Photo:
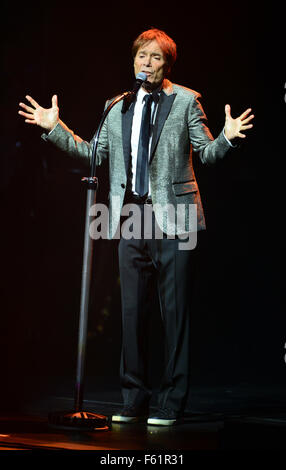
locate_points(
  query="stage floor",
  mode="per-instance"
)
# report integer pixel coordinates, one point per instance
(221, 418)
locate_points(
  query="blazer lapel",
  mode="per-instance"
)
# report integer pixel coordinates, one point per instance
(126, 121)
(164, 107)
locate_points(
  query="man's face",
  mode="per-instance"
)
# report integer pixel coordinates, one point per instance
(150, 60)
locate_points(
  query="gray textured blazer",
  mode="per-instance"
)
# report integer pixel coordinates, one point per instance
(180, 128)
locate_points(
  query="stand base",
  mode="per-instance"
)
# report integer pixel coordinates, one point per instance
(78, 421)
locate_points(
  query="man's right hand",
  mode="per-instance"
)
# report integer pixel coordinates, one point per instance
(45, 118)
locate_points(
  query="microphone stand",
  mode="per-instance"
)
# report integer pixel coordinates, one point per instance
(78, 418)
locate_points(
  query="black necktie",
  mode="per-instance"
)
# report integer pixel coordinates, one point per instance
(142, 170)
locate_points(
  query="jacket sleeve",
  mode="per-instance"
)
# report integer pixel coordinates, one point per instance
(208, 148)
(67, 141)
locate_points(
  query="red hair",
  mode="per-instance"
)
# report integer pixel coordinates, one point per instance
(167, 44)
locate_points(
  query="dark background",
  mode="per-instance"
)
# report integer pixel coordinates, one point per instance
(229, 52)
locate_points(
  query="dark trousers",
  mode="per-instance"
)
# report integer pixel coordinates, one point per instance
(140, 261)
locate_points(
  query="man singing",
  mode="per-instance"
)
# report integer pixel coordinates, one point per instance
(149, 147)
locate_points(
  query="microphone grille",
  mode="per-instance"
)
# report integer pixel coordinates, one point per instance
(141, 76)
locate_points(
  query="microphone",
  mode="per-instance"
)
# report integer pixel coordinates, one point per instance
(140, 78)
(130, 95)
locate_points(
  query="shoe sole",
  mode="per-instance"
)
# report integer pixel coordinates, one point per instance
(127, 419)
(162, 422)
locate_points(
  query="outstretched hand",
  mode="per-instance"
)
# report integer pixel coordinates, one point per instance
(47, 118)
(233, 127)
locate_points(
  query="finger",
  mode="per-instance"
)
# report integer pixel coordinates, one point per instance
(243, 115)
(26, 115)
(227, 110)
(246, 127)
(55, 101)
(245, 121)
(241, 135)
(32, 101)
(27, 108)
(30, 121)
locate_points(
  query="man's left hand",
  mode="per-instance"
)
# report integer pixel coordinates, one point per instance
(233, 127)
